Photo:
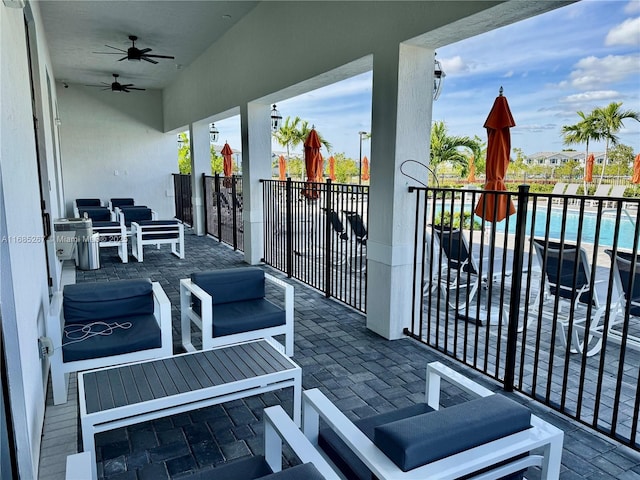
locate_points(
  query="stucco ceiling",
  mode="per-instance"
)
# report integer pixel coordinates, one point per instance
(181, 28)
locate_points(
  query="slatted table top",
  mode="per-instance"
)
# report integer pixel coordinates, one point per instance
(136, 383)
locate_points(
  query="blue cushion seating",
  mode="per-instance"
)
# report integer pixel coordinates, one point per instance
(88, 302)
(96, 214)
(108, 229)
(251, 468)
(121, 202)
(143, 334)
(136, 214)
(238, 317)
(422, 439)
(231, 284)
(88, 202)
(344, 458)
(158, 227)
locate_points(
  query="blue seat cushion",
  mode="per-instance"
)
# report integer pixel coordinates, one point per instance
(136, 214)
(344, 458)
(143, 334)
(121, 202)
(422, 439)
(251, 468)
(88, 202)
(162, 229)
(238, 317)
(109, 231)
(91, 301)
(306, 471)
(231, 284)
(96, 214)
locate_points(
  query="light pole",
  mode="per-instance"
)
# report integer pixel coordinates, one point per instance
(360, 159)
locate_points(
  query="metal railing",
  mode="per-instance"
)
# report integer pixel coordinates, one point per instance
(223, 209)
(317, 233)
(536, 301)
(182, 198)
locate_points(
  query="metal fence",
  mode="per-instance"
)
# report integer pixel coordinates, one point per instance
(546, 301)
(182, 198)
(317, 233)
(223, 209)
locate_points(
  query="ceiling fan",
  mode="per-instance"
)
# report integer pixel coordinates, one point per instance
(116, 86)
(134, 53)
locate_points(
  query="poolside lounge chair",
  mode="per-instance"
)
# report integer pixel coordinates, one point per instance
(566, 296)
(229, 306)
(616, 194)
(558, 189)
(278, 429)
(491, 436)
(601, 191)
(357, 256)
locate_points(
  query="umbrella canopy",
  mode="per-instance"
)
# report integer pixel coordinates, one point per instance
(332, 168)
(588, 168)
(492, 206)
(227, 165)
(311, 150)
(472, 170)
(282, 168)
(636, 170)
(365, 168)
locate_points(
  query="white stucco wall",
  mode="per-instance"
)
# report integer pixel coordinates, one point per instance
(106, 133)
(23, 287)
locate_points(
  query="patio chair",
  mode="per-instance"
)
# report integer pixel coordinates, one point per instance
(96, 214)
(458, 270)
(357, 256)
(85, 202)
(601, 191)
(616, 194)
(229, 306)
(120, 202)
(491, 436)
(138, 213)
(558, 189)
(93, 325)
(337, 247)
(112, 234)
(566, 294)
(157, 232)
(278, 429)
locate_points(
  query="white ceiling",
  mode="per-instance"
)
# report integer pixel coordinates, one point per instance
(181, 28)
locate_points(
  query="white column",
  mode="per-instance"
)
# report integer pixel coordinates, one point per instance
(401, 119)
(200, 163)
(255, 125)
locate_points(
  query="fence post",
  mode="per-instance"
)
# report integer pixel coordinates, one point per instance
(216, 185)
(234, 212)
(205, 210)
(516, 286)
(289, 222)
(328, 250)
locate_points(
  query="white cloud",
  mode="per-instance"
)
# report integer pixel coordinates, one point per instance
(626, 33)
(454, 65)
(509, 74)
(592, 72)
(632, 7)
(592, 96)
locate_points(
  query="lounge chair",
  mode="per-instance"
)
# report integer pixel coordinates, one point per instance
(491, 436)
(566, 296)
(157, 232)
(338, 241)
(558, 189)
(93, 325)
(229, 306)
(85, 202)
(601, 191)
(278, 429)
(120, 202)
(616, 195)
(357, 255)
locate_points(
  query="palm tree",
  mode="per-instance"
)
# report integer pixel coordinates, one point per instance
(304, 132)
(288, 134)
(446, 148)
(582, 132)
(610, 120)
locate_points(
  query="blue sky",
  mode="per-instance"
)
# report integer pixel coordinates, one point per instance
(578, 57)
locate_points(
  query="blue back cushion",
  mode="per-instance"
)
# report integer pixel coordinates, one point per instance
(120, 202)
(416, 441)
(136, 214)
(88, 202)
(232, 284)
(97, 214)
(88, 302)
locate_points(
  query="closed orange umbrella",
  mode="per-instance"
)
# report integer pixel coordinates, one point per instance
(636, 170)
(588, 168)
(332, 168)
(227, 165)
(282, 168)
(472, 170)
(365, 169)
(311, 149)
(495, 207)
(319, 168)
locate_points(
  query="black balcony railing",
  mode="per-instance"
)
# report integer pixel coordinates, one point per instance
(223, 209)
(537, 301)
(182, 198)
(317, 233)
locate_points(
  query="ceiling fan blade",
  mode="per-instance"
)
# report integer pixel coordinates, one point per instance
(109, 53)
(160, 56)
(127, 85)
(144, 50)
(124, 90)
(123, 58)
(136, 88)
(147, 59)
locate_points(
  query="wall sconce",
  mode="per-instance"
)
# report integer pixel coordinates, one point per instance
(58, 121)
(276, 118)
(438, 76)
(213, 133)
